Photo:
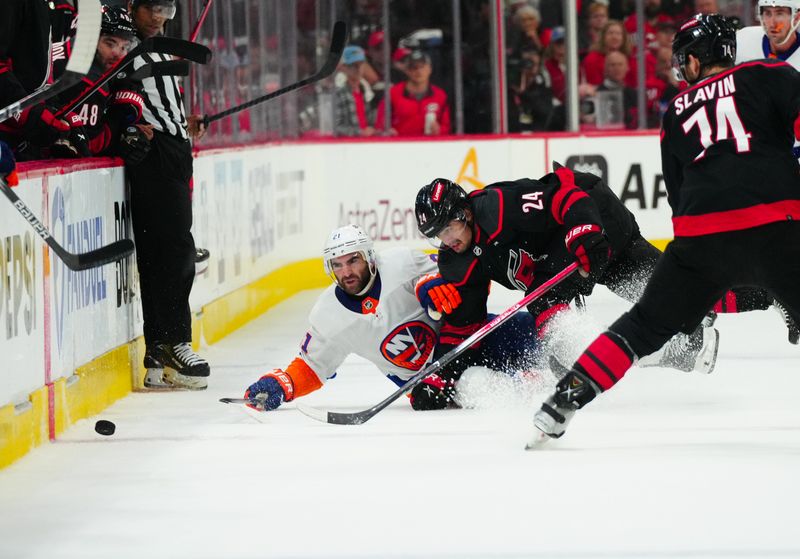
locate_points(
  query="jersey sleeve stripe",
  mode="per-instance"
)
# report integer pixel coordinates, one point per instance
(499, 216)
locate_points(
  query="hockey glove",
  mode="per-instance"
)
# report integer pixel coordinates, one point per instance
(133, 145)
(590, 247)
(434, 393)
(270, 391)
(77, 135)
(41, 127)
(433, 292)
(8, 165)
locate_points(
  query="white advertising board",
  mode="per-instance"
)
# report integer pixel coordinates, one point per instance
(22, 307)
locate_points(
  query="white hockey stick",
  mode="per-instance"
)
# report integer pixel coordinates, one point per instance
(83, 50)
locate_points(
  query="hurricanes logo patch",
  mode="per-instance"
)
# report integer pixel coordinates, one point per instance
(409, 345)
(521, 266)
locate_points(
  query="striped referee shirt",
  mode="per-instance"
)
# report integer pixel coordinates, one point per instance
(163, 102)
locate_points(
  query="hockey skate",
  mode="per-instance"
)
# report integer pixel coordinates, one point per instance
(175, 367)
(693, 352)
(794, 330)
(573, 391)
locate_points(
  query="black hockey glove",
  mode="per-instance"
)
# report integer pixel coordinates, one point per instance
(41, 127)
(133, 146)
(77, 135)
(590, 247)
(434, 393)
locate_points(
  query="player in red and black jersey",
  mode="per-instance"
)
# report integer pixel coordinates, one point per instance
(734, 188)
(114, 106)
(521, 233)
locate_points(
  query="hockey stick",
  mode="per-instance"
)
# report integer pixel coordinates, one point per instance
(359, 417)
(103, 255)
(338, 41)
(78, 65)
(159, 45)
(166, 68)
(200, 20)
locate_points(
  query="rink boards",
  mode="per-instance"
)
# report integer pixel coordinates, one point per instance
(71, 342)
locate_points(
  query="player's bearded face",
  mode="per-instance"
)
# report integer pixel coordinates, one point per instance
(351, 271)
(111, 49)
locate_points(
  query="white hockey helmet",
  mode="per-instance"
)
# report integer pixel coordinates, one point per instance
(794, 7)
(346, 240)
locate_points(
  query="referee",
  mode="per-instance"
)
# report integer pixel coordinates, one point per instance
(159, 167)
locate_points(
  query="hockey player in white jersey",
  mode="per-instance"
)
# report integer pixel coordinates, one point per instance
(372, 311)
(776, 37)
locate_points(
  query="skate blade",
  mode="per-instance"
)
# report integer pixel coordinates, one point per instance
(538, 441)
(183, 382)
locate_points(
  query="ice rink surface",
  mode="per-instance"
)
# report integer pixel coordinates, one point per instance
(667, 464)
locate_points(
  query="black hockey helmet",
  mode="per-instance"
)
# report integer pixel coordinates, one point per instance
(117, 22)
(710, 38)
(438, 203)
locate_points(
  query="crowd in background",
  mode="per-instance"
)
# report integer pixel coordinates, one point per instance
(261, 45)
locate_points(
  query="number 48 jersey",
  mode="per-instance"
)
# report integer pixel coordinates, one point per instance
(726, 150)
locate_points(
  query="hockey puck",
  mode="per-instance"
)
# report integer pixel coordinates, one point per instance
(105, 427)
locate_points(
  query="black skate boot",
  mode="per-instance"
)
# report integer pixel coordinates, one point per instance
(693, 352)
(794, 331)
(573, 391)
(154, 375)
(182, 367)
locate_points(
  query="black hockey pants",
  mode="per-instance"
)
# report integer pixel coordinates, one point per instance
(161, 211)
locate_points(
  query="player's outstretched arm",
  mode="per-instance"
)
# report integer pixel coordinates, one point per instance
(279, 386)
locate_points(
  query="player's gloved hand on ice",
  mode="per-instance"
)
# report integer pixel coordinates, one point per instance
(41, 126)
(434, 393)
(270, 391)
(133, 145)
(591, 248)
(433, 292)
(8, 165)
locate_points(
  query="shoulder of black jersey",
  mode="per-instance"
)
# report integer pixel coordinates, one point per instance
(488, 206)
(457, 269)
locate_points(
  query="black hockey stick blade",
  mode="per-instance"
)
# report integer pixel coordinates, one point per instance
(235, 400)
(182, 48)
(338, 41)
(359, 417)
(103, 255)
(167, 68)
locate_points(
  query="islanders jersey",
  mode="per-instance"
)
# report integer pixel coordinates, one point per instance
(752, 44)
(386, 326)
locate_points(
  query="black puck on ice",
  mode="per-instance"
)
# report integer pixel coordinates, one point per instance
(105, 427)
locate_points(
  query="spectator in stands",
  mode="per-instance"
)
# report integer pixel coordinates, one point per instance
(534, 108)
(653, 16)
(555, 63)
(670, 85)
(596, 19)
(373, 69)
(352, 113)
(616, 70)
(706, 7)
(613, 38)
(665, 32)
(418, 107)
(526, 21)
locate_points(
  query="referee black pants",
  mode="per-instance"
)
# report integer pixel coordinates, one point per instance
(695, 272)
(161, 211)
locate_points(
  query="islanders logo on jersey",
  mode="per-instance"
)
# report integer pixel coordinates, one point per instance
(409, 345)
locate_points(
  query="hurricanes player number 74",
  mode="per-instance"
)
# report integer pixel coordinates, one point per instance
(727, 118)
